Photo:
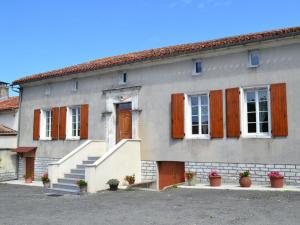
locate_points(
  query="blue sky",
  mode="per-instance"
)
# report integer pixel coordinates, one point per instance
(38, 36)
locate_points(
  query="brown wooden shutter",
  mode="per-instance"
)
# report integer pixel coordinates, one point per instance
(62, 122)
(84, 119)
(54, 128)
(36, 124)
(177, 107)
(279, 110)
(216, 114)
(233, 112)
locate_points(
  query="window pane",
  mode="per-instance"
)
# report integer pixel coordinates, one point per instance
(204, 100)
(263, 106)
(251, 127)
(263, 117)
(195, 110)
(195, 120)
(204, 129)
(198, 66)
(251, 117)
(204, 110)
(254, 56)
(195, 129)
(194, 100)
(251, 107)
(263, 127)
(262, 95)
(250, 96)
(204, 119)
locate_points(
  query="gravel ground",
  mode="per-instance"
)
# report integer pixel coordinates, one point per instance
(28, 205)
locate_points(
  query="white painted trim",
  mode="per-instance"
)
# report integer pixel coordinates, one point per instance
(114, 97)
(69, 123)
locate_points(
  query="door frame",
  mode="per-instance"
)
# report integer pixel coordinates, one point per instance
(33, 162)
(116, 96)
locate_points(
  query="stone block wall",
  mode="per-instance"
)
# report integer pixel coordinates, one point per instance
(40, 166)
(230, 171)
(148, 170)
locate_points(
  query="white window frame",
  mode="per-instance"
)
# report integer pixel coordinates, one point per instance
(250, 65)
(243, 113)
(69, 130)
(43, 124)
(194, 67)
(188, 118)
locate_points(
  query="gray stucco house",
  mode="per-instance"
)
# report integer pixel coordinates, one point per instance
(229, 104)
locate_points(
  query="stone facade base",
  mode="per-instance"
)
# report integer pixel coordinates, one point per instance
(40, 166)
(8, 175)
(230, 171)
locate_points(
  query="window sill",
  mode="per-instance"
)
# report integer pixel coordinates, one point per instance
(201, 137)
(73, 138)
(196, 74)
(259, 136)
(45, 139)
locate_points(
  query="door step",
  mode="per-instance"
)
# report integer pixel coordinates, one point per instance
(61, 191)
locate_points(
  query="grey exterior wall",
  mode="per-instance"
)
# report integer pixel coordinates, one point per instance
(159, 81)
(8, 165)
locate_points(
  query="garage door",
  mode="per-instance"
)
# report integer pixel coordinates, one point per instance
(170, 173)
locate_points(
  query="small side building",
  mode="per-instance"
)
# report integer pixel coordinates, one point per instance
(9, 109)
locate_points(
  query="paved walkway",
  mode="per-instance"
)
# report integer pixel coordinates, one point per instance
(237, 187)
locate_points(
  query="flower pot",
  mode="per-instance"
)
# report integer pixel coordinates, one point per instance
(46, 186)
(28, 180)
(83, 189)
(276, 182)
(245, 182)
(113, 187)
(215, 181)
(192, 181)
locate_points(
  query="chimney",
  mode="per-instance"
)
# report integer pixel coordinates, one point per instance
(4, 90)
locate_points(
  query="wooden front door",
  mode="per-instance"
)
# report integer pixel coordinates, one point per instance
(170, 173)
(124, 121)
(29, 167)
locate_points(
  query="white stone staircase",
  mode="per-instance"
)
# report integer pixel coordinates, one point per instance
(67, 184)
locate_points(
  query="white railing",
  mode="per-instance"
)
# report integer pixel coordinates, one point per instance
(64, 165)
(123, 159)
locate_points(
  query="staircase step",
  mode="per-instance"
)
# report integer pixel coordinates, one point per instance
(67, 180)
(61, 191)
(81, 166)
(88, 161)
(78, 171)
(66, 186)
(95, 158)
(75, 176)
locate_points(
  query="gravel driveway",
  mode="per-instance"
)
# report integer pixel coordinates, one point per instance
(27, 205)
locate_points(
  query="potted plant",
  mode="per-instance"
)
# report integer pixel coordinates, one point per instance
(191, 178)
(130, 179)
(214, 178)
(245, 180)
(113, 184)
(82, 184)
(46, 181)
(28, 178)
(276, 179)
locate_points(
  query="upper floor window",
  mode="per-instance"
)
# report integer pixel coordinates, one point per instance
(75, 85)
(253, 58)
(199, 115)
(46, 124)
(256, 112)
(197, 67)
(123, 78)
(73, 122)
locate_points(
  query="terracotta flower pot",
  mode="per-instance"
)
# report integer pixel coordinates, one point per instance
(276, 182)
(46, 186)
(245, 182)
(215, 181)
(28, 180)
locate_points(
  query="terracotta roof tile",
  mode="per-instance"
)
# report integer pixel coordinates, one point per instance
(6, 130)
(160, 53)
(10, 103)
